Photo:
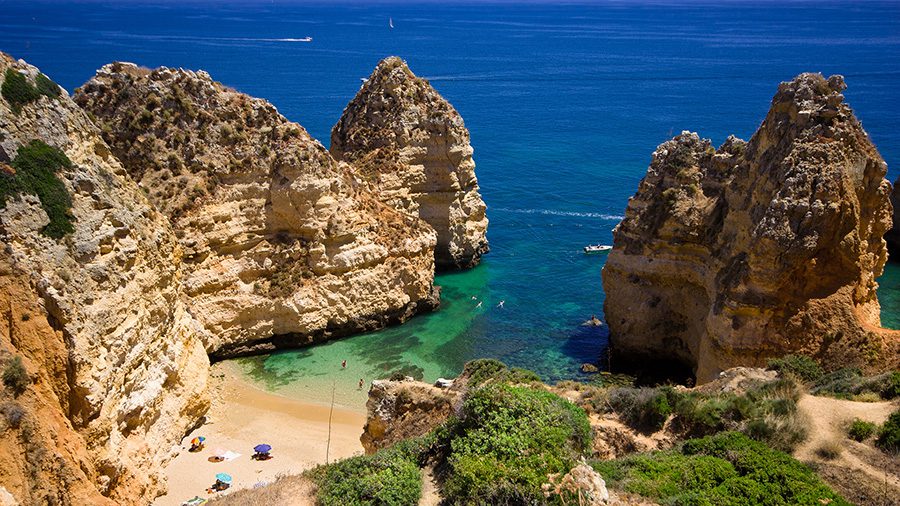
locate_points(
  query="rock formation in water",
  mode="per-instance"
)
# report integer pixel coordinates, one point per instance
(892, 237)
(283, 246)
(90, 296)
(413, 148)
(733, 255)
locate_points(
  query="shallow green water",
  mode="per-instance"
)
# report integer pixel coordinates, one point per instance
(889, 296)
(426, 347)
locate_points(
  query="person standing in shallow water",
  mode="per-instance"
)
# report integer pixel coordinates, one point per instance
(361, 383)
(343, 364)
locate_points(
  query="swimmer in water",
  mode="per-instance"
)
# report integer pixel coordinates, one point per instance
(479, 305)
(500, 305)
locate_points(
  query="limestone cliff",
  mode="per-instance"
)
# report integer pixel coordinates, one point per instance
(283, 246)
(404, 409)
(91, 278)
(413, 148)
(892, 237)
(729, 256)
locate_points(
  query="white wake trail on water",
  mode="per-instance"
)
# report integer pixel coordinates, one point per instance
(553, 212)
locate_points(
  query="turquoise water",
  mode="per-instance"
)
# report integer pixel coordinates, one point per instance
(565, 104)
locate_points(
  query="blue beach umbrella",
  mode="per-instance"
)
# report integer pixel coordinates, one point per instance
(224, 477)
(262, 448)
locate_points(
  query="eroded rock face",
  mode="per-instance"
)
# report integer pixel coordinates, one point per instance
(399, 410)
(413, 148)
(283, 246)
(125, 372)
(892, 237)
(733, 255)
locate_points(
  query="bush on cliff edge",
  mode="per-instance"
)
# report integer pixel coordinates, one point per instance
(390, 477)
(507, 440)
(727, 469)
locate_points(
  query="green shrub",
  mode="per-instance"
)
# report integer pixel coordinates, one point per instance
(15, 377)
(766, 412)
(841, 383)
(645, 409)
(860, 430)
(483, 370)
(890, 389)
(36, 165)
(800, 366)
(849, 383)
(480, 370)
(46, 87)
(390, 477)
(725, 469)
(704, 415)
(889, 435)
(18, 91)
(507, 440)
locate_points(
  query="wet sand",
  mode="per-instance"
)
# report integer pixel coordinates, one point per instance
(243, 416)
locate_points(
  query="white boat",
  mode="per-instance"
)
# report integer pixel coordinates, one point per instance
(596, 248)
(391, 23)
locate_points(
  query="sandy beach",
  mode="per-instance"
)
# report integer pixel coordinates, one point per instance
(243, 416)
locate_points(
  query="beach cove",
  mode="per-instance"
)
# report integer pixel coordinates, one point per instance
(242, 416)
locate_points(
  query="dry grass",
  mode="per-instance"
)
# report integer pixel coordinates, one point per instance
(295, 490)
(830, 450)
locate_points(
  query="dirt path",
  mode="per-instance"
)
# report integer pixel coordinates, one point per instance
(828, 421)
(431, 495)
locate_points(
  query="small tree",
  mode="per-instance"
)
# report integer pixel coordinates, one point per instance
(15, 376)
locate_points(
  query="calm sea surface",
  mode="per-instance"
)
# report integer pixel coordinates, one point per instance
(565, 103)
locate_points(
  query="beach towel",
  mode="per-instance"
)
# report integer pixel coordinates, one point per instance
(196, 501)
(230, 455)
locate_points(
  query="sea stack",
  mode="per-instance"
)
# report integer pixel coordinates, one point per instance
(893, 235)
(90, 303)
(412, 147)
(730, 256)
(282, 245)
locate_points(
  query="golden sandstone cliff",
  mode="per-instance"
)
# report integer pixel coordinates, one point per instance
(195, 221)
(729, 256)
(413, 148)
(283, 246)
(92, 283)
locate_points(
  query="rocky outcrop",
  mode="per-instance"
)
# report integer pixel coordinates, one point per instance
(733, 255)
(92, 284)
(283, 246)
(892, 237)
(43, 460)
(404, 409)
(412, 147)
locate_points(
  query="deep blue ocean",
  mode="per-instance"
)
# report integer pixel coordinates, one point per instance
(565, 104)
